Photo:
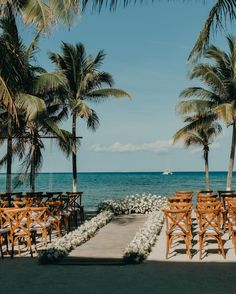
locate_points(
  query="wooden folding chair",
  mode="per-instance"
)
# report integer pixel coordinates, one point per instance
(209, 221)
(178, 226)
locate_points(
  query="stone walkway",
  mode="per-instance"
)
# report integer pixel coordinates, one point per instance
(108, 244)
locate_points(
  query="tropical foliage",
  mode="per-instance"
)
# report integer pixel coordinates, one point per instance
(86, 83)
(219, 96)
(29, 86)
(201, 129)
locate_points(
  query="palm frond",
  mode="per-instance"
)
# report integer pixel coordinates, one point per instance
(216, 19)
(6, 98)
(38, 13)
(49, 82)
(101, 95)
(31, 105)
(226, 112)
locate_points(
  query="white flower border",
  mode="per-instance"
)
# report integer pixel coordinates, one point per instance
(140, 247)
(138, 203)
(62, 246)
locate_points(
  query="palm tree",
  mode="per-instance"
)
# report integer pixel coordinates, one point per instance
(201, 130)
(220, 94)
(85, 82)
(26, 83)
(43, 14)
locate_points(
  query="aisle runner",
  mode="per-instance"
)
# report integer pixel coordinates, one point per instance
(109, 243)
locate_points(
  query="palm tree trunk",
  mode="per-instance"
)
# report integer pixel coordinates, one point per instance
(206, 168)
(32, 164)
(231, 159)
(32, 173)
(9, 154)
(74, 156)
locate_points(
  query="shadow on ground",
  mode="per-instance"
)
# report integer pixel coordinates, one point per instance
(25, 275)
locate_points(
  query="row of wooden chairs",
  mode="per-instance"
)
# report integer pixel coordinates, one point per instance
(69, 205)
(24, 224)
(209, 215)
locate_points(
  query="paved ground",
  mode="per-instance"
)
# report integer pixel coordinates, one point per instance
(110, 241)
(26, 276)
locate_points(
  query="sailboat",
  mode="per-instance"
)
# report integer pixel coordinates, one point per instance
(167, 172)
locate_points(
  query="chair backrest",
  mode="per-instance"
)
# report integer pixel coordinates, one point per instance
(177, 219)
(180, 205)
(17, 218)
(209, 219)
(37, 215)
(184, 193)
(209, 205)
(207, 195)
(172, 199)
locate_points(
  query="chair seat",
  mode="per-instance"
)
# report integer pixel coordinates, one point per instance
(4, 230)
(40, 225)
(53, 218)
(210, 231)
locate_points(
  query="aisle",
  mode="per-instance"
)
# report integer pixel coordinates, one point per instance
(109, 243)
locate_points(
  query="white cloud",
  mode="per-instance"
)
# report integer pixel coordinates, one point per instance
(159, 146)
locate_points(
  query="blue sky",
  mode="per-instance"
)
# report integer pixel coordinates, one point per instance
(147, 48)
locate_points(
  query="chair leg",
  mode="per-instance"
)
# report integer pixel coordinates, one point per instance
(233, 241)
(167, 246)
(200, 246)
(222, 248)
(188, 246)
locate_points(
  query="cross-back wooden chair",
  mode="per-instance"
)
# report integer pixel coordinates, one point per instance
(39, 224)
(4, 231)
(54, 215)
(209, 222)
(75, 205)
(19, 229)
(178, 226)
(231, 216)
(230, 202)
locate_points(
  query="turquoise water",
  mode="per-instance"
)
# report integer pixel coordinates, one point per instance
(101, 186)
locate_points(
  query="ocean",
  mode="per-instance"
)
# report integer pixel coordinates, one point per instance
(101, 186)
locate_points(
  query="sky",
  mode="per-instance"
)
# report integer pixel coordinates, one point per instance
(147, 47)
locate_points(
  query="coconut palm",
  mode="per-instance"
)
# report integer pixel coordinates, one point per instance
(27, 83)
(201, 130)
(85, 83)
(220, 93)
(43, 14)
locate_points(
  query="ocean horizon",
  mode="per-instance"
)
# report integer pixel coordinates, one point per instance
(99, 186)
